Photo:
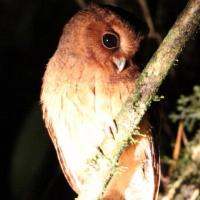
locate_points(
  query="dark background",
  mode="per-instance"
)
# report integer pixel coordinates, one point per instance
(29, 34)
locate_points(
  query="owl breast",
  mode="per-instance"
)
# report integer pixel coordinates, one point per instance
(81, 109)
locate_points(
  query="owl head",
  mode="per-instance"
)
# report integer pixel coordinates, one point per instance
(105, 34)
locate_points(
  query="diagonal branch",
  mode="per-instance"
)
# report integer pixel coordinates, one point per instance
(146, 87)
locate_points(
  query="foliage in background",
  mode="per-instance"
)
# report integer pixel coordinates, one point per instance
(185, 174)
(188, 110)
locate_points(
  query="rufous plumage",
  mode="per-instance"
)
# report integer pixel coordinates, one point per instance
(85, 85)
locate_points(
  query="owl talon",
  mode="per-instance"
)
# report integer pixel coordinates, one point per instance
(111, 129)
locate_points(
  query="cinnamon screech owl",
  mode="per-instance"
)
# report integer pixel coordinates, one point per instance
(85, 85)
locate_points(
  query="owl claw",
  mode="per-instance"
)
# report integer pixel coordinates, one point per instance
(111, 130)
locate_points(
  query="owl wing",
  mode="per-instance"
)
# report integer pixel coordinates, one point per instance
(139, 178)
(71, 176)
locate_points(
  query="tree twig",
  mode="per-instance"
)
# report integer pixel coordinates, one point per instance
(110, 2)
(81, 3)
(177, 147)
(149, 21)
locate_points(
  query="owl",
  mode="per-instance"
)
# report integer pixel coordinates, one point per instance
(85, 85)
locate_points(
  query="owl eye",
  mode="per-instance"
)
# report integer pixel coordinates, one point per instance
(110, 41)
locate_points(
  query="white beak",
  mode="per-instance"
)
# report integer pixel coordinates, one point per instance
(120, 63)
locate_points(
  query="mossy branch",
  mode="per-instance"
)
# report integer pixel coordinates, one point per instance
(146, 87)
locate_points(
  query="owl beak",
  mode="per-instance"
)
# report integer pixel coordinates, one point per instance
(120, 63)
